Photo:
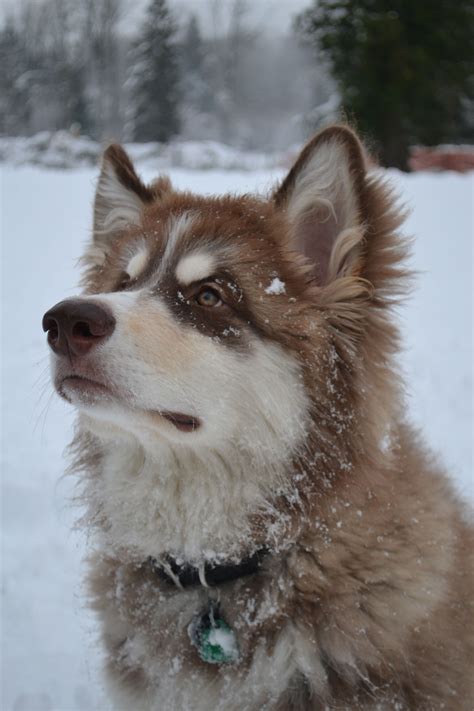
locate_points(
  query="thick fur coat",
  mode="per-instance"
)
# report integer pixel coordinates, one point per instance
(241, 394)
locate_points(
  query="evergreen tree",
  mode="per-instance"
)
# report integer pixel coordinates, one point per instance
(231, 75)
(404, 68)
(42, 79)
(14, 82)
(102, 59)
(155, 77)
(192, 51)
(63, 83)
(197, 95)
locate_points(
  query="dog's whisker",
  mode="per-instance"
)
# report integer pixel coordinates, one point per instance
(41, 417)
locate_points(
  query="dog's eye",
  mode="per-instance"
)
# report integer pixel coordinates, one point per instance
(208, 296)
(124, 281)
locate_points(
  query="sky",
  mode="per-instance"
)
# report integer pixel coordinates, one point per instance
(266, 16)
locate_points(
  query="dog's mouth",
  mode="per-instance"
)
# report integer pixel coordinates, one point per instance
(77, 389)
(184, 423)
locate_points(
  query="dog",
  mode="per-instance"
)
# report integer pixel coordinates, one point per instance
(269, 531)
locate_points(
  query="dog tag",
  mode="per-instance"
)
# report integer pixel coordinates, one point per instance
(213, 638)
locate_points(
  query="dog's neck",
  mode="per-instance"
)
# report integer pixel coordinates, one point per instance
(193, 504)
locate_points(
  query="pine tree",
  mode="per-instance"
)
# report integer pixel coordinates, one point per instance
(101, 56)
(192, 52)
(42, 80)
(404, 68)
(14, 83)
(198, 97)
(155, 77)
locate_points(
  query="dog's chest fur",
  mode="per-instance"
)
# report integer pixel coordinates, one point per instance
(307, 615)
(194, 508)
(312, 626)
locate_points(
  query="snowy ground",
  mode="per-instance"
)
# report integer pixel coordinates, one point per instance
(49, 658)
(61, 150)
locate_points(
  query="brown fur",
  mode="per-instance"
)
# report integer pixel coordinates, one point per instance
(376, 567)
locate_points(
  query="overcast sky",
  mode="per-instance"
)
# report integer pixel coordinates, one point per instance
(264, 15)
(274, 15)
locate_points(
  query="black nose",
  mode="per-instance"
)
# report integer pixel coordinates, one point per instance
(76, 326)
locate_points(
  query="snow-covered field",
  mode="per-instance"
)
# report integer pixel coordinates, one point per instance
(61, 150)
(48, 653)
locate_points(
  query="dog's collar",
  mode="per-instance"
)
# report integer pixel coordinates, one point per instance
(207, 574)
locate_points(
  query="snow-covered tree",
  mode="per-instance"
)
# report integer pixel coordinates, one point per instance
(231, 42)
(42, 79)
(192, 50)
(155, 79)
(101, 53)
(197, 104)
(14, 82)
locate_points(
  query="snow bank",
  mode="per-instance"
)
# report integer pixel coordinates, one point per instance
(62, 150)
(49, 149)
(50, 660)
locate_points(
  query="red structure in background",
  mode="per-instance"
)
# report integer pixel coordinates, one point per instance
(457, 158)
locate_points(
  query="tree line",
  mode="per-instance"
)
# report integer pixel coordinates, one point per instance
(401, 71)
(75, 63)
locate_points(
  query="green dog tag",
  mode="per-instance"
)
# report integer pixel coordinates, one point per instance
(214, 639)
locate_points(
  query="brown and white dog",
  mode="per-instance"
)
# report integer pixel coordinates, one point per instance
(245, 459)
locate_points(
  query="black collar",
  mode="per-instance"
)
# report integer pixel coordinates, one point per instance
(210, 574)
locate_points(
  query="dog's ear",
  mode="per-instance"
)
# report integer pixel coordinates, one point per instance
(121, 196)
(322, 196)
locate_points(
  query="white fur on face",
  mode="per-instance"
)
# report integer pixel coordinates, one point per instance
(176, 228)
(137, 262)
(194, 267)
(190, 492)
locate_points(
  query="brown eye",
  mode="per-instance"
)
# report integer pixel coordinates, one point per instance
(124, 281)
(208, 297)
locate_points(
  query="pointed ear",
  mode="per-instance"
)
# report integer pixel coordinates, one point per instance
(322, 195)
(120, 196)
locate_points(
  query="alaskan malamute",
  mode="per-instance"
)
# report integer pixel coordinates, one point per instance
(269, 532)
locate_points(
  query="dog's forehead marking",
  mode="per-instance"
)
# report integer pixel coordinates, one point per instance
(137, 261)
(176, 227)
(194, 267)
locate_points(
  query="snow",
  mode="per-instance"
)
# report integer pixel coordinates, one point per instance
(276, 287)
(63, 150)
(225, 639)
(50, 659)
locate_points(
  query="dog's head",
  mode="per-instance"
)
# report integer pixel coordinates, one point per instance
(214, 320)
